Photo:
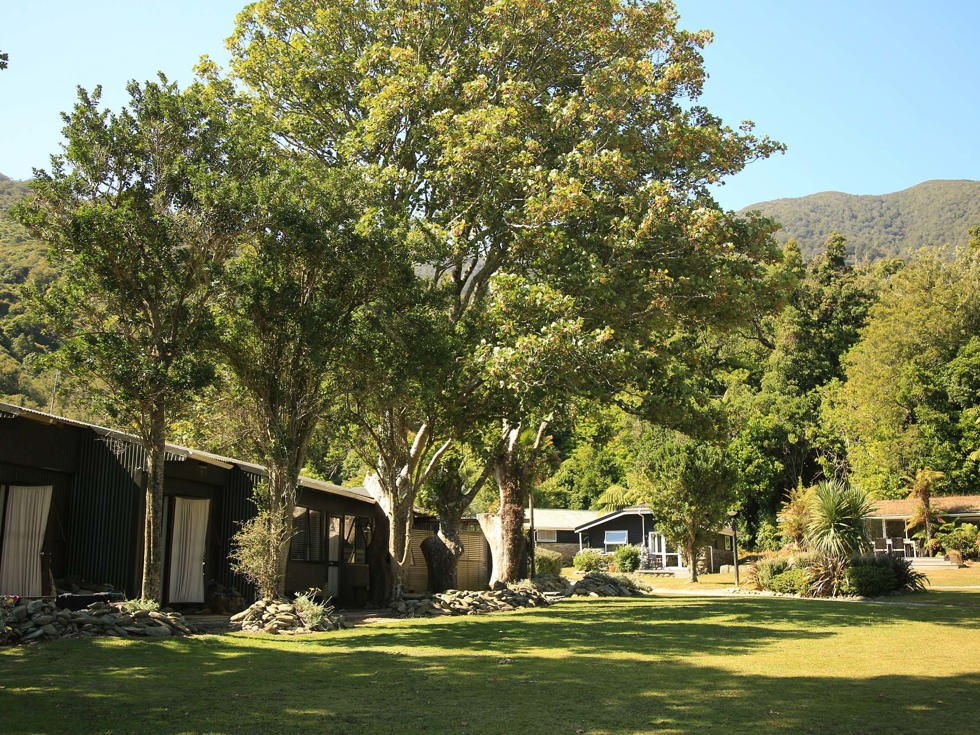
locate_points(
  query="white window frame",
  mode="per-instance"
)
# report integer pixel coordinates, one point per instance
(545, 535)
(625, 536)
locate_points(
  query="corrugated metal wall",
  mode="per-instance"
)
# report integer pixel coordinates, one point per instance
(105, 511)
(237, 507)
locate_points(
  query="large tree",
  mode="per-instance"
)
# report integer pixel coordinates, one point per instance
(290, 306)
(140, 221)
(689, 485)
(912, 397)
(512, 138)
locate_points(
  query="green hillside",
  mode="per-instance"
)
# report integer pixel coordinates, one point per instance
(21, 259)
(934, 213)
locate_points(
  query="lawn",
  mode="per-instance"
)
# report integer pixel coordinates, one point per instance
(671, 664)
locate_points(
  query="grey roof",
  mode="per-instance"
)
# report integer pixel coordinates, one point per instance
(559, 519)
(603, 517)
(357, 493)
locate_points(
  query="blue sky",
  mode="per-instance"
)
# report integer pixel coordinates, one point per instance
(871, 96)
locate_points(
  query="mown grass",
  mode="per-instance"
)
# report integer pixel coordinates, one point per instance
(667, 665)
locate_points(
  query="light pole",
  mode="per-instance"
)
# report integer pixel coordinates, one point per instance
(733, 514)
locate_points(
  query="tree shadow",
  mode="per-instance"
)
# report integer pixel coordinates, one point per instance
(606, 666)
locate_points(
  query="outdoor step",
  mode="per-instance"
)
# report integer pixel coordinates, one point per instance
(925, 562)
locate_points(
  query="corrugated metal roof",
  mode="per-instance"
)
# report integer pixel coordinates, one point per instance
(357, 493)
(949, 504)
(559, 519)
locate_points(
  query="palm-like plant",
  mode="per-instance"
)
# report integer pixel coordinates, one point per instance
(836, 527)
(922, 512)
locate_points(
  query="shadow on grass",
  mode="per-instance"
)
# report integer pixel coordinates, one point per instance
(597, 667)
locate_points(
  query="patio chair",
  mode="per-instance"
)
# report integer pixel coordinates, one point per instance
(898, 546)
(881, 546)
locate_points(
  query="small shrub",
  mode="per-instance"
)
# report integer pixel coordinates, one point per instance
(312, 613)
(627, 558)
(955, 557)
(256, 549)
(132, 606)
(869, 580)
(764, 570)
(828, 575)
(547, 561)
(589, 560)
(7, 604)
(961, 538)
(792, 582)
(906, 578)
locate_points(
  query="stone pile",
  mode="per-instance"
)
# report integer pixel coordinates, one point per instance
(41, 620)
(604, 585)
(549, 584)
(468, 602)
(288, 618)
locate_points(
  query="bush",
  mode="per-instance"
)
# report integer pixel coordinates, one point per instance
(763, 571)
(955, 557)
(961, 538)
(589, 560)
(869, 581)
(312, 613)
(768, 536)
(906, 579)
(792, 582)
(547, 561)
(828, 575)
(627, 558)
(255, 551)
(132, 606)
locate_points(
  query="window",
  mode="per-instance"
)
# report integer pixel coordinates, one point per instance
(307, 541)
(616, 538)
(546, 536)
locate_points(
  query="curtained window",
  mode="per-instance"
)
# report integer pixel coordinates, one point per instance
(25, 523)
(190, 531)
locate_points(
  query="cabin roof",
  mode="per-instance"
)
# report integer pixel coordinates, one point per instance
(9, 409)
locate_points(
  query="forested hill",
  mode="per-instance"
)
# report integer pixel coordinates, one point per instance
(891, 225)
(21, 259)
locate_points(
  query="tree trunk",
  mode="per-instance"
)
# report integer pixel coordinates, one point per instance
(490, 525)
(507, 565)
(379, 560)
(396, 500)
(691, 549)
(283, 478)
(156, 448)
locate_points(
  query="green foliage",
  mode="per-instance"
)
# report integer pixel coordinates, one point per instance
(138, 219)
(590, 560)
(796, 515)
(910, 401)
(627, 558)
(933, 214)
(257, 548)
(691, 486)
(794, 581)
(869, 581)
(547, 561)
(959, 537)
(899, 570)
(837, 527)
(766, 569)
(768, 537)
(312, 613)
(136, 605)
(828, 575)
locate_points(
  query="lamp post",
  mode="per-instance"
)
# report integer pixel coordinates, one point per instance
(733, 514)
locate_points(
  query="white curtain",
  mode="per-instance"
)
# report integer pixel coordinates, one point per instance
(23, 536)
(187, 549)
